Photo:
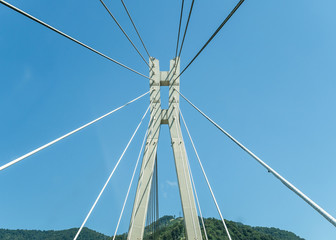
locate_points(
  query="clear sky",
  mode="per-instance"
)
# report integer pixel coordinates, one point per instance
(268, 78)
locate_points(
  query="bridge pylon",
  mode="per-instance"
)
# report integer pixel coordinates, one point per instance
(159, 116)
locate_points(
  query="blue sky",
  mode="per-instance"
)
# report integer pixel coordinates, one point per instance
(268, 78)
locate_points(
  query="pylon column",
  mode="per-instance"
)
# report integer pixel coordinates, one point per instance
(168, 116)
(138, 219)
(193, 230)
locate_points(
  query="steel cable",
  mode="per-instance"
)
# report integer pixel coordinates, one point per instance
(314, 205)
(179, 29)
(130, 185)
(184, 35)
(213, 35)
(185, 169)
(206, 178)
(186, 28)
(109, 178)
(123, 31)
(197, 201)
(69, 37)
(68, 134)
(135, 28)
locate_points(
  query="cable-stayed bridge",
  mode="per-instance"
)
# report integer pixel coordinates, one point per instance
(146, 198)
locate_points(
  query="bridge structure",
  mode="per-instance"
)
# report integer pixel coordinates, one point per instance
(145, 204)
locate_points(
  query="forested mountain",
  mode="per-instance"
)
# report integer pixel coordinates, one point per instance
(167, 228)
(170, 228)
(87, 234)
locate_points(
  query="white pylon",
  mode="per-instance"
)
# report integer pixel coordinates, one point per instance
(171, 117)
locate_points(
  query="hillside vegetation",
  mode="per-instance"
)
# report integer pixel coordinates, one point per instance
(168, 228)
(173, 229)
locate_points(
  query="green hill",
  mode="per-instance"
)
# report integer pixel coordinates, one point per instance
(168, 228)
(87, 234)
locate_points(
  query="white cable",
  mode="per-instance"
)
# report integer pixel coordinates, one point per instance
(129, 188)
(139, 181)
(108, 180)
(67, 135)
(206, 178)
(314, 205)
(198, 205)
